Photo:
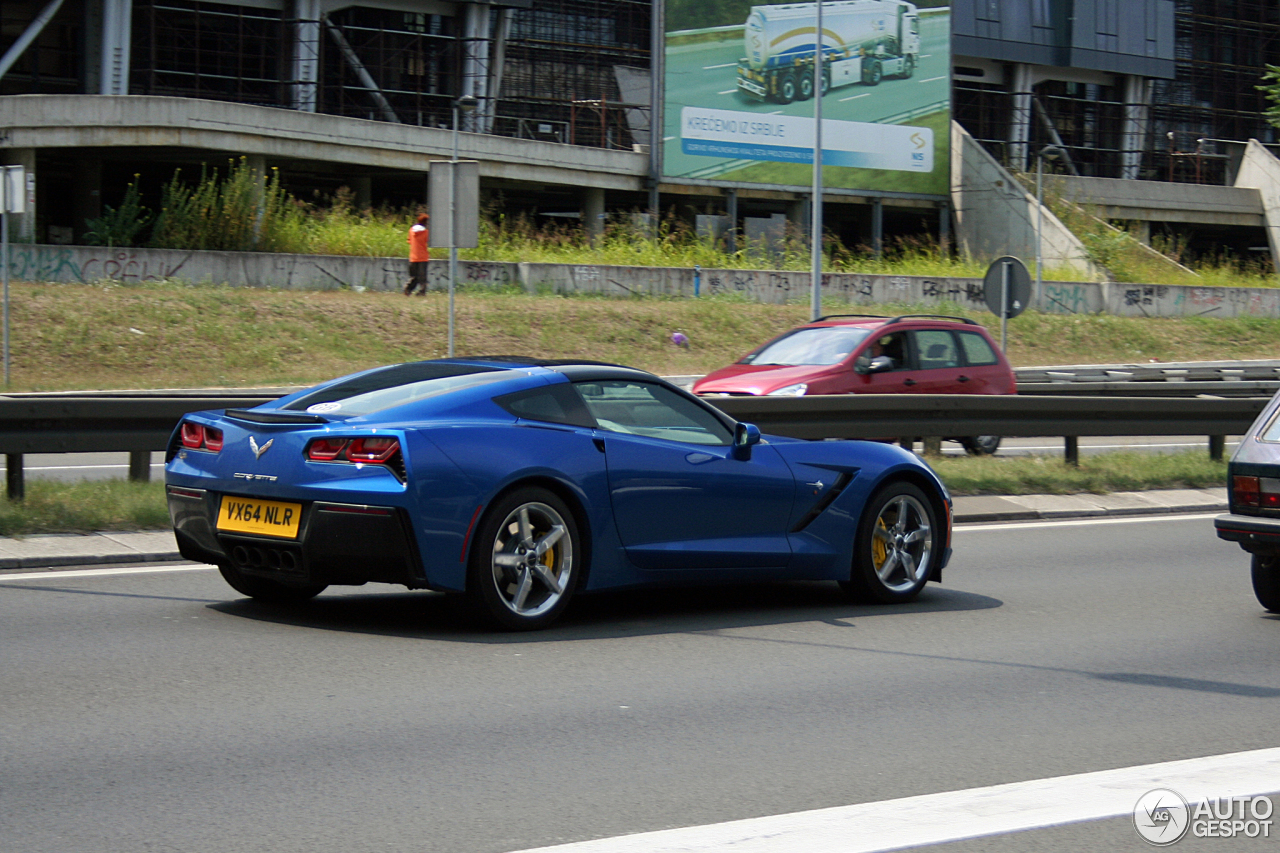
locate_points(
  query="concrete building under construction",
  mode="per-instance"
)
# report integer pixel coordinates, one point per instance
(1127, 99)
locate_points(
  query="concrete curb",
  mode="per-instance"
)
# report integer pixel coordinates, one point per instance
(62, 550)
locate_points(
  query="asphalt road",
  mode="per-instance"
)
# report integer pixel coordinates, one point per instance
(161, 712)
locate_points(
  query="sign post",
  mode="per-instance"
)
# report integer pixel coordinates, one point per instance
(1006, 288)
(13, 180)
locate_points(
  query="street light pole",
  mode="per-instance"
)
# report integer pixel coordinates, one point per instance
(815, 238)
(466, 103)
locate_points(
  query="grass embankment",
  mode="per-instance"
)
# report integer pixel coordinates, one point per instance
(78, 337)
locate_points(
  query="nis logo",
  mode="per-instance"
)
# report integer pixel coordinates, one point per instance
(919, 142)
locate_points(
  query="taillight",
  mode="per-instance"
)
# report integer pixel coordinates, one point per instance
(1261, 492)
(325, 449)
(200, 437)
(374, 449)
(192, 434)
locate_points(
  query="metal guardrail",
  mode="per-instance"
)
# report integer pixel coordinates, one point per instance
(137, 424)
(1170, 373)
(140, 424)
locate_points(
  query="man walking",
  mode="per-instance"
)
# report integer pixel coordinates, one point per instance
(419, 254)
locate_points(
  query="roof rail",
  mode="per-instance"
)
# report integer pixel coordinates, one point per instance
(838, 316)
(934, 317)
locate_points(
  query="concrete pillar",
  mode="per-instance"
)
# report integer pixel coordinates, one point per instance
(1020, 84)
(877, 227)
(362, 186)
(304, 55)
(731, 213)
(117, 29)
(944, 228)
(257, 165)
(22, 226)
(593, 212)
(1137, 108)
(475, 62)
(87, 203)
(798, 215)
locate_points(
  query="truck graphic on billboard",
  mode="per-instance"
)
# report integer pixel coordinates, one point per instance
(863, 41)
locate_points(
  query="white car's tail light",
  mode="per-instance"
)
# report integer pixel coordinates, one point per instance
(1260, 492)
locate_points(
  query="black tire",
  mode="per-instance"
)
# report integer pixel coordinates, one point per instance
(787, 88)
(525, 561)
(908, 66)
(805, 87)
(981, 445)
(1266, 582)
(899, 542)
(826, 80)
(267, 590)
(873, 73)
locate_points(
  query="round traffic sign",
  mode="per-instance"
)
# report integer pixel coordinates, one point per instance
(1011, 272)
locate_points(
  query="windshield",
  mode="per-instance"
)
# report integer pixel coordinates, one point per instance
(821, 345)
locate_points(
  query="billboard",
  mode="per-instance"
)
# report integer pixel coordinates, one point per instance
(740, 80)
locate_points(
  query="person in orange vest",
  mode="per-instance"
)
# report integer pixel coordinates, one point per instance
(419, 254)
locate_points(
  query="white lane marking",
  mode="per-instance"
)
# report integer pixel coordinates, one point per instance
(97, 573)
(954, 815)
(1082, 522)
(932, 79)
(731, 91)
(723, 65)
(855, 97)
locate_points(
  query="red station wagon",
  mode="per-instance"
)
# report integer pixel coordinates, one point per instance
(868, 354)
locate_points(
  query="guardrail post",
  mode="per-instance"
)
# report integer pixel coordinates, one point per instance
(1217, 444)
(932, 445)
(140, 466)
(1072, 447)
(13, 476)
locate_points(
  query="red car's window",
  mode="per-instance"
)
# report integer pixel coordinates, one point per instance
(820, 345)
(976, 349)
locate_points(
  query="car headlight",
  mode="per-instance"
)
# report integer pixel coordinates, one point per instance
(796, 390)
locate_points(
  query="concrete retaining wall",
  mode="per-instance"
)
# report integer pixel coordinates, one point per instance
(83, 264)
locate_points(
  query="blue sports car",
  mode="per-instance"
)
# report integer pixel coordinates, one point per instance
(519, 482)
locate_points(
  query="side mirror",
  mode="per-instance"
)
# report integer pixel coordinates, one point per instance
(744, 436)
(866, 364)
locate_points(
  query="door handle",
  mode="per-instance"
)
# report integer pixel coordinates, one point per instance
(962, 378)
(908, 382)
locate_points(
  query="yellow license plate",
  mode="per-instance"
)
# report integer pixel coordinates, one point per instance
(264, 518)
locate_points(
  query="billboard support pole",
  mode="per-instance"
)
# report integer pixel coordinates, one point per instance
(815, 237)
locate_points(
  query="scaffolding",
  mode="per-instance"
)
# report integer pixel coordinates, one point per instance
(549, 72)
(53, 64)
(1222, 50)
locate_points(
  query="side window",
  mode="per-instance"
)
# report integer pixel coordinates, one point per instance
(555, 404)
(642, 408)
(894, 346)
(936, 349)
(977, 350)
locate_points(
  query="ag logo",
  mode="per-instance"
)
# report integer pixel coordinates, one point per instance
(1161, 817)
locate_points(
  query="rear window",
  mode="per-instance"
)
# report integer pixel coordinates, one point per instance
(394, 386)
(976, 349)
(820, 345)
